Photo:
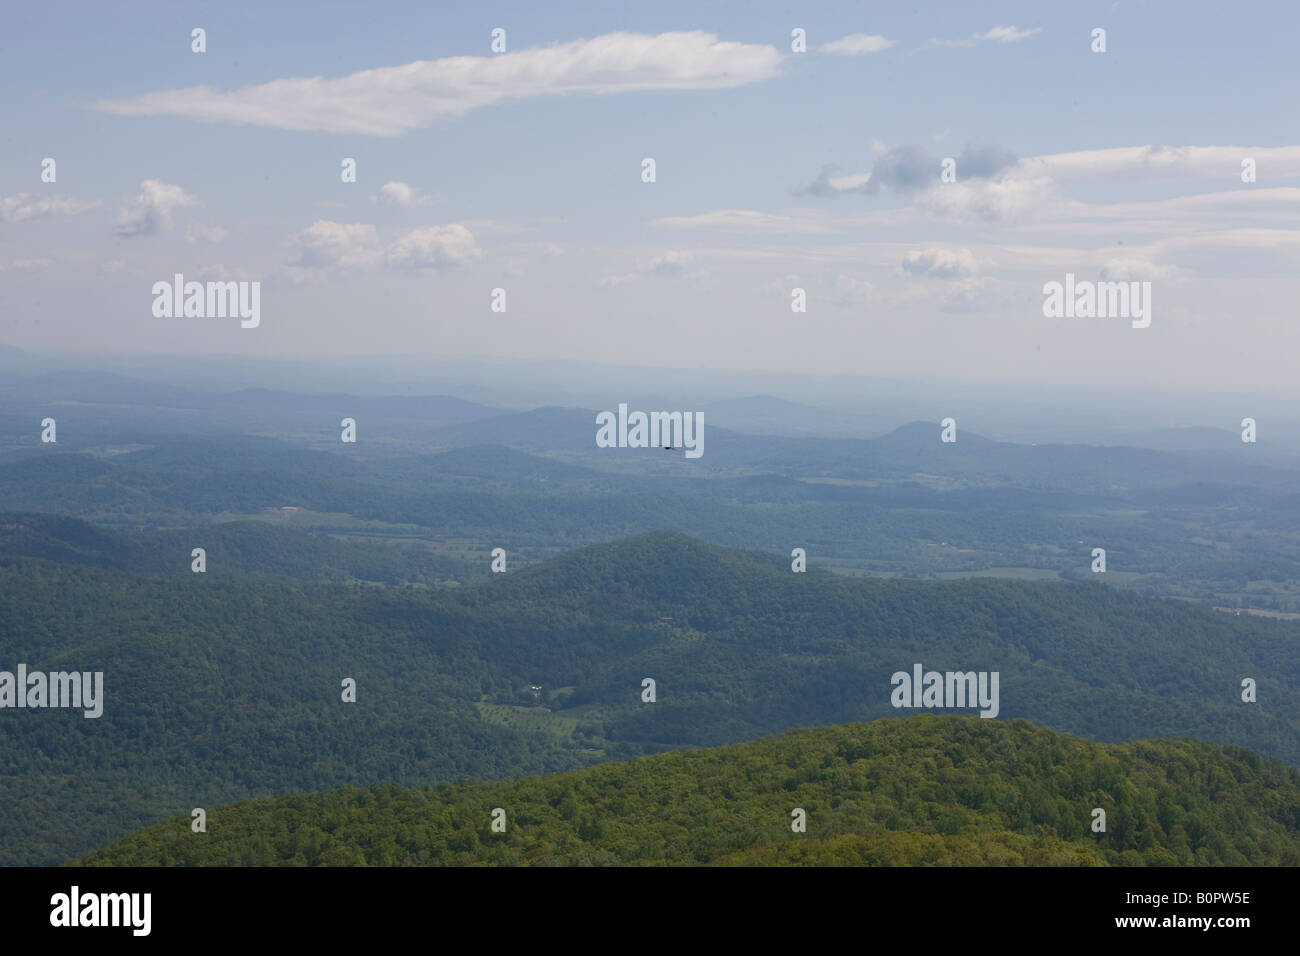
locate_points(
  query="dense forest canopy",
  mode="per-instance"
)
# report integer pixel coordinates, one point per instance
(924, 790)
(220, 687)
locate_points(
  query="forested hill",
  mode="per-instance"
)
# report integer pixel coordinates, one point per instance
(221, 688)
(924, 790)
(233, 548)
(1220, 531)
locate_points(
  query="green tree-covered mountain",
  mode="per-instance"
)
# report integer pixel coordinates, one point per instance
(924, 790)
(222, 688)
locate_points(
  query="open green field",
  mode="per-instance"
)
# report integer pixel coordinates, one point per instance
(528, 719)
(1018, 574)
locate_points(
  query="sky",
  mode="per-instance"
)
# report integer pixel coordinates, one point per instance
(775, 170)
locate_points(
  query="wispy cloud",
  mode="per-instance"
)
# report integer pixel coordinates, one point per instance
(997, 35)
(856, 44)
(940, 263)
(672, 264)
(26, 206)
(401, 194)
(337, 246)
(907, 168)
(390, 101)
(743, 220)
(993, 186)
(1164, 163)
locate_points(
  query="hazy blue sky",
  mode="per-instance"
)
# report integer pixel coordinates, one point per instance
(775, 169)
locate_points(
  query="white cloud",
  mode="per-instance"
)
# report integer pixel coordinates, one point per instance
(195, 232)
(858, 43)
(1034, 195)
(390, 101)
(1136, 164)
(1032, 188)
(434, 247)
(1163, 163)
(151, 211)
(325, 244)
(850, 182)
(25, 206)
(746, 220)
(999, 34)
(401, 194)
(988, 200)
(343, 246)
(940, 263)
(1009, 34)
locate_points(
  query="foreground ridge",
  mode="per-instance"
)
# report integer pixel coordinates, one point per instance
(918, 790)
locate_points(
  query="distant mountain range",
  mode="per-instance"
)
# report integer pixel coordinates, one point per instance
(102, 408)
